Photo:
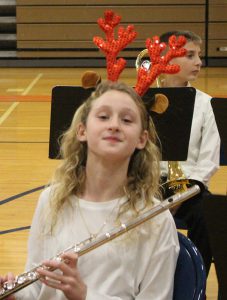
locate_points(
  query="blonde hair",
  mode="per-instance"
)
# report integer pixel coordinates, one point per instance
(143, 171)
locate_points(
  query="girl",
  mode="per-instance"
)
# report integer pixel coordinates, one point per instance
(109, 174)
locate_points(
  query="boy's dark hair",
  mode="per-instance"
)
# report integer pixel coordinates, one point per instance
(189, 35)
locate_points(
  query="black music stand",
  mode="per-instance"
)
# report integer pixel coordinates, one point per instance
(64, 102)
(219, 106)
(173, 126)
(215, 206)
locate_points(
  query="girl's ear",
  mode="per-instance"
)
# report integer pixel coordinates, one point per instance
(142, 140)
(81, 133)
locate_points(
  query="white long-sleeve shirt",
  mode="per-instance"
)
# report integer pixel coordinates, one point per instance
(204, 144)
(137, 265)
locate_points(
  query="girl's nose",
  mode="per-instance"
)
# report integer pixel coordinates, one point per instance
(114, 124)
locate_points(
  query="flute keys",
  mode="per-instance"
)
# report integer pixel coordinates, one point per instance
(58, 259)
(77, 249)
(9, 285)
(123, 226)
(21, 279)
(107, 235)
(2, 292)
(32, 275)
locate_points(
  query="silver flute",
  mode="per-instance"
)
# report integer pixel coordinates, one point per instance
(87, 245)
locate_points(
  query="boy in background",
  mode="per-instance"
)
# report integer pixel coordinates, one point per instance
(204, 144)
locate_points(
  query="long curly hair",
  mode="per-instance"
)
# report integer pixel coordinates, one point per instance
(143, 171)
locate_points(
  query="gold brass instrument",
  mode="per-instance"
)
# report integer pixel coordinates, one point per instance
(29, 277)
(176, 181)
(174, 171)
(146, 64)
(143, 61)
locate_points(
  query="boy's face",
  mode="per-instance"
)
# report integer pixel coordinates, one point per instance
(190, 64)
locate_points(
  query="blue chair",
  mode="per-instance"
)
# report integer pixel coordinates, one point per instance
(190, 275)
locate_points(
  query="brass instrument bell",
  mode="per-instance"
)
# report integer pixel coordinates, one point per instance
(146, 64)
(143, 60)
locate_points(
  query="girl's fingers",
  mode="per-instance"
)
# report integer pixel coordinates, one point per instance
(67, 268)
(67, 265)
(10, 276)
(64, 277)
(70, 259)
(48, 274)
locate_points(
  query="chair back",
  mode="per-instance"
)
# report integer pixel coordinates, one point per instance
(215, 211)
(190, 274)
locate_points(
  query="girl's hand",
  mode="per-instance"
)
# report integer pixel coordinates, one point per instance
(9, 277)
(68, 280)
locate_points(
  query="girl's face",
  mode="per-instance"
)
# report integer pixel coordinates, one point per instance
(113, 129)
(190, 64)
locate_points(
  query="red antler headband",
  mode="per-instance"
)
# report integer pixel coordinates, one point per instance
(111, 47)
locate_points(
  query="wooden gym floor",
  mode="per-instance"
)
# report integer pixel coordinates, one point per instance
(25, 95)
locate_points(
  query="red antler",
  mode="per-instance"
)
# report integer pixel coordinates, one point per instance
(112, 47)
(159, 64)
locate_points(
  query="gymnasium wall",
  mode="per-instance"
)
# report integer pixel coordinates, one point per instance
(65, 28)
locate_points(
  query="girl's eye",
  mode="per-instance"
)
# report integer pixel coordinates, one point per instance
(103, 117)
(127, 120)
